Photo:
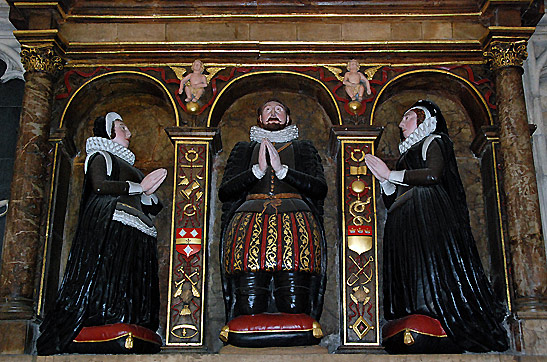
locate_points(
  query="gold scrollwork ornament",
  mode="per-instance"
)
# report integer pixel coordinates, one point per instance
(506, 54)
(41, 59)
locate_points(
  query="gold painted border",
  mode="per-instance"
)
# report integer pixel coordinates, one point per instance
(500, 221)
(121, 72)
(276, 16)
(76, 64)
(48, 222)
(226, 86)
(473, 88)
(361, 140)
(205, 141)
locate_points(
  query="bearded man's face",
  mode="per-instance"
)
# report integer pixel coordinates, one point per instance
(273, 116)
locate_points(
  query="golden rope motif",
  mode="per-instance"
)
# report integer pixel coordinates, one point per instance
(506, 54)
(271, 244)
(287, 243)
(304, 243)
(41, 59)
(356, 208)
(253, 261)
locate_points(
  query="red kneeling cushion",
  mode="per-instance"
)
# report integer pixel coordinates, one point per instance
(417, 323)
(119, 338)
(272, 330)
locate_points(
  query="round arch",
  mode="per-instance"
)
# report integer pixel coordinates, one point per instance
(439, 80)
(129, 80)
(274, 80)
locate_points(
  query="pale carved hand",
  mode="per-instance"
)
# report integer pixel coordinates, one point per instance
(153, 180)
(378, 167)
(275, 161)
(262, 162)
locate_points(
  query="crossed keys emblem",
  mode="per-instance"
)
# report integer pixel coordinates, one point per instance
(354, 277)
(178, 285)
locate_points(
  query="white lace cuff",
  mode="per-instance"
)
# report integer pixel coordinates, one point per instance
(283, 172)
(149, 200)
(397, 177)
(388, 187)
(134, 188)
(257, 172)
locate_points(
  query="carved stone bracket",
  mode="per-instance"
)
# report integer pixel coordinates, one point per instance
(41, 59)
(506, 54)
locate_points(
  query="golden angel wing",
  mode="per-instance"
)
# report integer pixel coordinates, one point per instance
(179, 72)
(336, 71)
(212, 72)
(369, 72)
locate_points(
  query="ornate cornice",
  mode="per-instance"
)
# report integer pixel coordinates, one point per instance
(506, 54)
(41, 59)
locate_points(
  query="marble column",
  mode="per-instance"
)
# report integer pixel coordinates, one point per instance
(27, 195)
(528, 269)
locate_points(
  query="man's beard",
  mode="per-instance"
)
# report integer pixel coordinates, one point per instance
(272, 126)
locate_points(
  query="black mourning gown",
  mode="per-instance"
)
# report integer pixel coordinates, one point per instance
(432, 266)
(112, 269)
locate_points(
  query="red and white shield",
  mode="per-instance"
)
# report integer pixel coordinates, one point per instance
(188, 241)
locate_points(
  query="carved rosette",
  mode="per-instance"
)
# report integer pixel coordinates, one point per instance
(506, 54)
(41, 59)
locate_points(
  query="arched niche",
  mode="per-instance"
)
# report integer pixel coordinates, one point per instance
(463, 115)
(285, 81)
(147, 109)
(314, 123)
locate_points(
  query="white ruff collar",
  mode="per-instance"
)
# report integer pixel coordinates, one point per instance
(96, 144)
(287, 134)
(424, 129)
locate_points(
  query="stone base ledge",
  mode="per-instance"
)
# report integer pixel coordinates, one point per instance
(238, 357)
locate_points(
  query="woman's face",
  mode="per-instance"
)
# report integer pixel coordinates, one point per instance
(409, 123)
(122, 134)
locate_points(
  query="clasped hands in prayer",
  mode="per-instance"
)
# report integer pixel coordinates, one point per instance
(267, 146)
(378, 167)
(153, 180)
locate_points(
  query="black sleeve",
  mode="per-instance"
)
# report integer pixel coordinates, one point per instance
(153, 209)
(311, 180)
(100, 184)
(238, 177)
(430, 175)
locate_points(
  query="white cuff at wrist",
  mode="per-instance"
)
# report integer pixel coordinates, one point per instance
(149, 200)
(388, 187)
(283, 172)
(397, 177)
(257, 171)
(134, 188)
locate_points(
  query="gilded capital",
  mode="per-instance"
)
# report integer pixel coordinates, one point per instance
(506, 54)
(41, 59)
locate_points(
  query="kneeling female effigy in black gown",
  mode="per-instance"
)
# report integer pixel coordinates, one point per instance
(108, 301)
(273, 254)
(437, 298)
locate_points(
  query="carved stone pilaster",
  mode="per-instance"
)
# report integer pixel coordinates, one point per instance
(528, 270)
(41, 59)
(22, 238)
(506, 54)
